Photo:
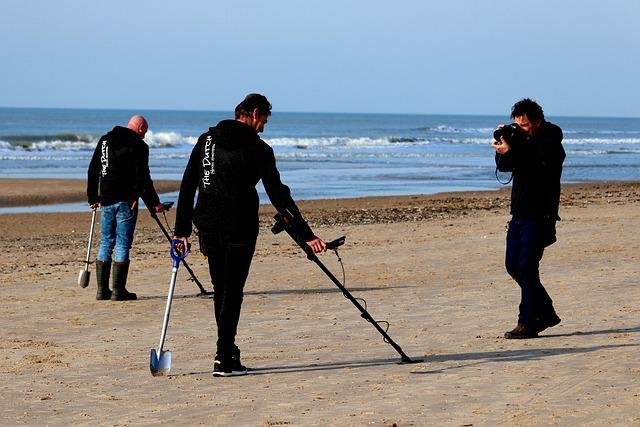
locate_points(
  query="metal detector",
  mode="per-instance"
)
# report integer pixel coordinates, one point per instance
(286, 221)
(167, 206)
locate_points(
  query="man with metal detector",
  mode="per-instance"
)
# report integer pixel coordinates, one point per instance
(531, 149)
(118, 176)
(225, 166)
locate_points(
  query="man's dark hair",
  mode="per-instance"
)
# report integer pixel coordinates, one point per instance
(528, 107)
(251, 102)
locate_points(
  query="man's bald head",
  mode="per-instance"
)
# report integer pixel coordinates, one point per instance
(139, 125)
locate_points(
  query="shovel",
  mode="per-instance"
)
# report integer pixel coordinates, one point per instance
(85, 274)
(160, 361)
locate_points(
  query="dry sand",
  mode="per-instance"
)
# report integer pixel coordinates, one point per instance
(430, 265)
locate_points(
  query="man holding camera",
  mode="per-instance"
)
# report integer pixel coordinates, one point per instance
(532, 150)
(225, 165)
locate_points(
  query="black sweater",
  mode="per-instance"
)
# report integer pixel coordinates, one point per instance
(119, 170)
(537, 166)
(225, 165)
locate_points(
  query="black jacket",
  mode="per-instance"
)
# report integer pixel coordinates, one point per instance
(225, 165)
(537, 166)
(119, 170)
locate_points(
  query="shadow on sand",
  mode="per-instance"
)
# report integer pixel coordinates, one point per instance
(308, 291)
(527, 354)
(597, 332)
(471, 359)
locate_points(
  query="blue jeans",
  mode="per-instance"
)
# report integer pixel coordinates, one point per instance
(525, 247)
(118, 222)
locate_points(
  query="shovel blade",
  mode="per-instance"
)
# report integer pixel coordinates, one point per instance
(83, 278)
(159, 364)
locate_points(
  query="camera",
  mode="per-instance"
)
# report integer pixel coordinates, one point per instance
(512, 133)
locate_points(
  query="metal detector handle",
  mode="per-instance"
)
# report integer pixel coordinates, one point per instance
(334, 244)
(176, 255)
(165, 205)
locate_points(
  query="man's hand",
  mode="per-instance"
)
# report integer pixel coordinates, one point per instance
(317, 245)
(183, 245)
(159, 208)
(501, 147)
(94, 205)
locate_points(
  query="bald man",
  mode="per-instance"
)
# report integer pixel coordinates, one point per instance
(118, 176)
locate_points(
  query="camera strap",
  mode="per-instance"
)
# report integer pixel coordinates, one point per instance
(498, 177)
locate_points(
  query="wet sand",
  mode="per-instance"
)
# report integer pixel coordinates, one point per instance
(32, 192)
(430, 265)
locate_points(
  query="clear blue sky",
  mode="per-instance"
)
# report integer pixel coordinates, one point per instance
(416, 56)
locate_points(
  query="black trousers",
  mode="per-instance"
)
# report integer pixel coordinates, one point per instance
(525, 247)
(229, 263)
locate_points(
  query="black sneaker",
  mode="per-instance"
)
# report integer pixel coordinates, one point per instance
(221, 369)
(521, 332)
(548, 321)
(236, 365)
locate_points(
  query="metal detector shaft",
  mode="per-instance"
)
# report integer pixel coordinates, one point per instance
(193, 276)
(364, 313)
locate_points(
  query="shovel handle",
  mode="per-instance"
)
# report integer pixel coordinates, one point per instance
(167, 310)
(177, 255)
(93, 223)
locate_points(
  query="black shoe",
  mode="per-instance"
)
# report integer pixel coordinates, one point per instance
(236, 365)
(123, 295)
(120, 292)
(548, 321)
(103, 294)
(521, 332)
(221, 369)
(103, 272)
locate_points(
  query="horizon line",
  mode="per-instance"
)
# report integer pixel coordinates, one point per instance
(308, 112)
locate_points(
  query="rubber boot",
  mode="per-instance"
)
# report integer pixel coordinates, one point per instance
(120, 293)
(103, 271)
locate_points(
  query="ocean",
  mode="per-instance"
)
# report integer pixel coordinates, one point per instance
(320, 155)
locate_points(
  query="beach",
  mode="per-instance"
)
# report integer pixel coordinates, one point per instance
(430, 265)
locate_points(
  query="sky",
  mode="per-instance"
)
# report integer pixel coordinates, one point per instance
(576, 58)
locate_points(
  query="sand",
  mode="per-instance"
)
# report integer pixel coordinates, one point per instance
(430, 265)
(28, 192)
